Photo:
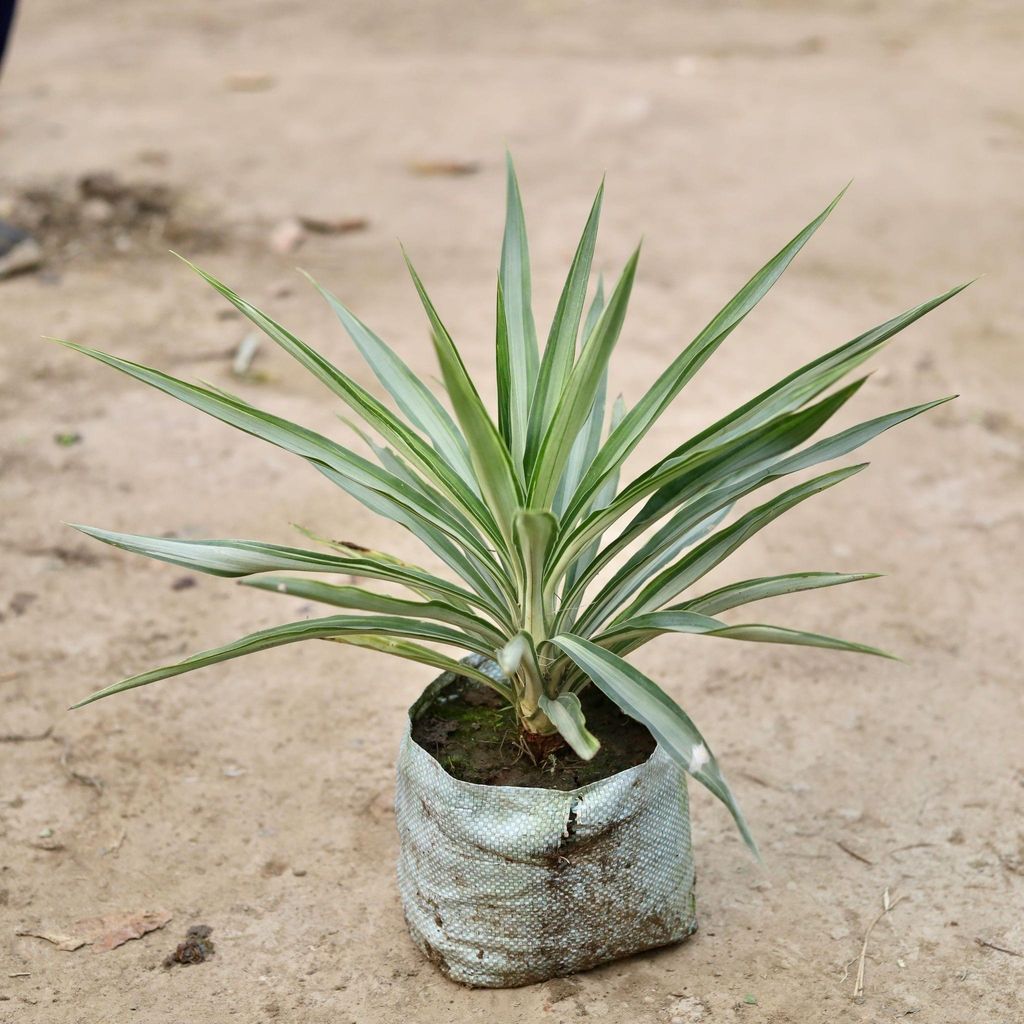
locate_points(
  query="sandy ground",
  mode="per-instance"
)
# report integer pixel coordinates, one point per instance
(255, 798)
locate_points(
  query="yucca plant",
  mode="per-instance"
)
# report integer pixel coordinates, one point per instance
(559, 573)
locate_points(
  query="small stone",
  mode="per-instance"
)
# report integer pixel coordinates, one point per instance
(22, 257)
(287, 236)
(97, 211)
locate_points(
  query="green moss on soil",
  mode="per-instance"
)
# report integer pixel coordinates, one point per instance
(475, 737)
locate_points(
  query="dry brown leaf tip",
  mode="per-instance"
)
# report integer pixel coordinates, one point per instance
(103, 933)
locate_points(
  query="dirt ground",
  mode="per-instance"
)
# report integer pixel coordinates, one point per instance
(255, 798)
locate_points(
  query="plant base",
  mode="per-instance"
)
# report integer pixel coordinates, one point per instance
(504, 886)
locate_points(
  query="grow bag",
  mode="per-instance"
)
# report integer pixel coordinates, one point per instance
(505, 885)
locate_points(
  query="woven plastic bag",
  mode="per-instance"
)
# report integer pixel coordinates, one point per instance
(506, 885)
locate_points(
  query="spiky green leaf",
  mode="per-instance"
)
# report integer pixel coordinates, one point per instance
(411, 395)
(386, 628)
(491, 462)
(747, 591)
(641, 698)
(557, 361)
(646, 412)
(518, 359)
(234, 558)
(360, 599)
(577, 399)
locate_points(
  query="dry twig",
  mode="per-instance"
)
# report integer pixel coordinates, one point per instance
(887, 905)
(999, 949)
(853, 853)
(117, 843)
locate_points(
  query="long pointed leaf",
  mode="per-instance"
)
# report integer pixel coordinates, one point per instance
(333, 460)
(689, 361)
(411, 395)
(816, 376)
(641, 698)
(582, 562)
(311, 629)
(748, 591)
(235, 558)
(360, 599)
(373, 413)
(630, 634)
(625, 582)
(557, 361)
(703, 558)
(490, 457)
(578, 397)
(778, 635)
(636, 568)
(519, 357)
(676, 478)
(588, 440)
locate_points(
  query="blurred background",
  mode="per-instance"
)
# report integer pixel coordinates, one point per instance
(255, 136)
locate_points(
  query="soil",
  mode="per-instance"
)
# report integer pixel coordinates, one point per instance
(256, 796)
(100, 216)
(474, 735)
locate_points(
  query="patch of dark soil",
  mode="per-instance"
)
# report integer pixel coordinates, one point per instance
(101, 214)
(475, 737)
(196, 948)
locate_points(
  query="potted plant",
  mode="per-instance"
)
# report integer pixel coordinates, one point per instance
(541, 802)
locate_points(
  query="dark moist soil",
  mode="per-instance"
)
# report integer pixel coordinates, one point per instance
(474, 735)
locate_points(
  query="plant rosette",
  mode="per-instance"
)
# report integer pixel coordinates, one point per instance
(556, 572)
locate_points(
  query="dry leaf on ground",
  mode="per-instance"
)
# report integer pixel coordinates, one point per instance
(333, 225)
(104, 933)
(452, 168)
